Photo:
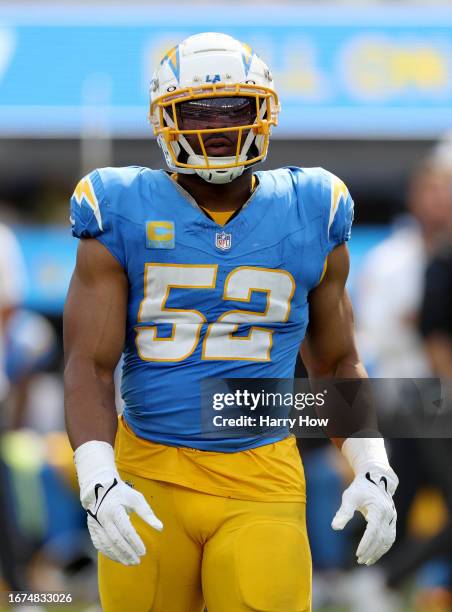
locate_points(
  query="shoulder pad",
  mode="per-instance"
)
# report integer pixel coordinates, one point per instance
(99, 205)
(98, 196)
(341, 210)
(87, 207)
(326, 195)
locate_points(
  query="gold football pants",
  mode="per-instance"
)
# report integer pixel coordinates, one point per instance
(226, 554)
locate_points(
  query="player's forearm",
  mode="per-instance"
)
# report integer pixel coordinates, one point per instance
(344, 364)
(89, 402)
(347, 366)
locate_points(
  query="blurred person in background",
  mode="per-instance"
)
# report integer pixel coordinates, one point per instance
(11, 294)
(390, 283)
(389, 298)
(436, 311)
(435, 324)
(43, 540)
(12, 275)
(430, 459)
(389, 294)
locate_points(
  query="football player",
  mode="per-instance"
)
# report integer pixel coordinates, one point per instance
(208, 270)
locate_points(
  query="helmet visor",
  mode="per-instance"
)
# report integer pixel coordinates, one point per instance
(216, 112)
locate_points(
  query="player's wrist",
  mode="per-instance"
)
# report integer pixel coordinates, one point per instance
(367, 455)
(94, 462)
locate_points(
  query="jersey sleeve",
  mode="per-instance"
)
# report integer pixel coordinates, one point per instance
(326, 205)
(340, 209)
(92, 216)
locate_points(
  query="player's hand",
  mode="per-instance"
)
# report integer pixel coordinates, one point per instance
(108, 501)
(108, 505)
(371, 494)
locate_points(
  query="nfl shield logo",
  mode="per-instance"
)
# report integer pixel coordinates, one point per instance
(223, 241)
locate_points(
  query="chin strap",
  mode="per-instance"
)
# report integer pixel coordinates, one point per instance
(254, 183)
(217, 176)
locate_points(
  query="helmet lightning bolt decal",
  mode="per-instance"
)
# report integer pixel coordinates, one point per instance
(247, 57)
(85, 192)
(172, 57)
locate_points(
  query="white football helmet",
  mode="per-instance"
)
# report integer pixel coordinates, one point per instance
(203, 67)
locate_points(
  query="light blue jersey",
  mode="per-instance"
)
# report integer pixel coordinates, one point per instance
(206, 300)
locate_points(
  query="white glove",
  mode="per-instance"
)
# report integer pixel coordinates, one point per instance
(371, 493)
(108, 501)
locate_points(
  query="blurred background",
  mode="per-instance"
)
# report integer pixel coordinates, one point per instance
(366, 92)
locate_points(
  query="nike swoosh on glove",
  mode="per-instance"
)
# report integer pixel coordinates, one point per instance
(108, 501)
